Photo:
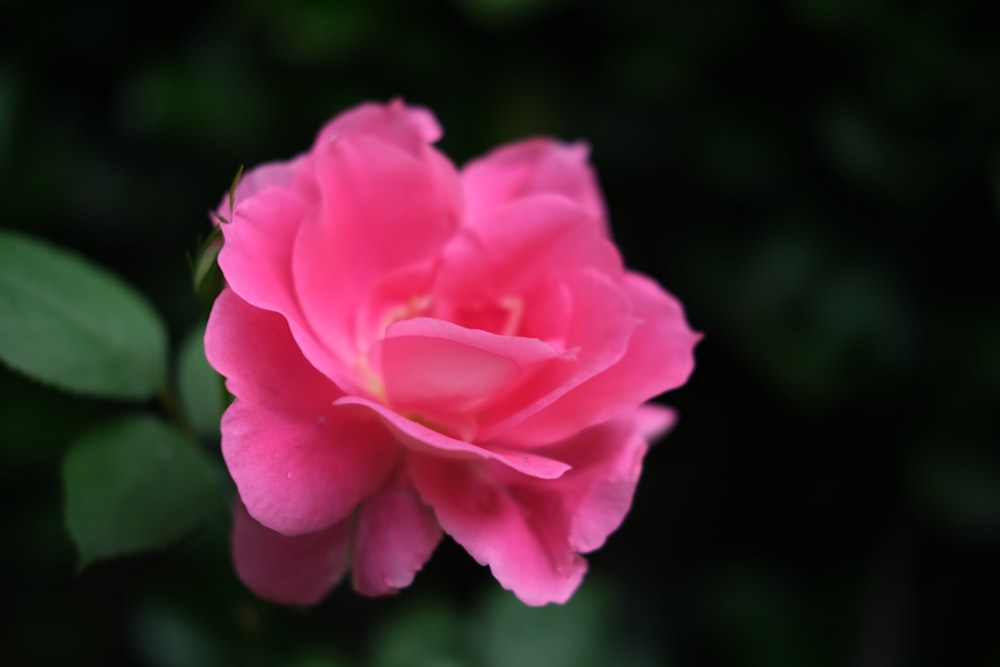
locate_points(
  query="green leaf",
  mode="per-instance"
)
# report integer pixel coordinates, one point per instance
(200, 387)
(134, 485)
(68, 323)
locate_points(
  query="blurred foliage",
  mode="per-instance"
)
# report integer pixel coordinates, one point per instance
(817, 180)
(202, 396)
(69, 324)
(133, 485)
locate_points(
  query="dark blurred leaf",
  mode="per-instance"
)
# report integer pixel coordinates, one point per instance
(208, 98)
(576, 634)
(317, 658)
(994, 176)
(820, 323)
(310, 31)
(199, 385)
(426, 635)
(838, 11)
(9, 94)
(760, 620)
(959, 486)
(493, 12)
(31, 442)
(134, 485)
(169, 637)
(867, 154)
(68, 323)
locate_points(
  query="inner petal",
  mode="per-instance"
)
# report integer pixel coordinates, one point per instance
(501, 316)
(444, 374)
(401, 295)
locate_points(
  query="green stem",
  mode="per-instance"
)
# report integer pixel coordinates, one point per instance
(171, 406)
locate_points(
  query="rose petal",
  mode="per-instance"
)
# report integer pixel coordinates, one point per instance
(514, 245)
(401, 294)
(652, 421)
(406, 126)
(528, 531)
(260, 360)
(546, 310)
(661, 352)
(599, 331)
(420, 438)
(256, 261)
(597, 492)
(659, 357)
(382, 210)
(535, 166)
(295, 175)
(527, 551)
(300, 471)
(297, 570)
(522, 246)
(393, 207)
(255, 257)
(395, 535)
(446, 373)
(300, 463)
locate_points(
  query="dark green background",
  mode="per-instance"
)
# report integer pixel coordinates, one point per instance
(817, 180)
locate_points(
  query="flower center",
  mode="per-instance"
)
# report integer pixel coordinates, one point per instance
(503, 316)
(417, 305)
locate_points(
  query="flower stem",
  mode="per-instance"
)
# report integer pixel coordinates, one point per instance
(171, 406)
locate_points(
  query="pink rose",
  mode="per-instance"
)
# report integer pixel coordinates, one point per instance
(415, 349)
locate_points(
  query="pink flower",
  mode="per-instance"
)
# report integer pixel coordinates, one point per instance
(415, 349)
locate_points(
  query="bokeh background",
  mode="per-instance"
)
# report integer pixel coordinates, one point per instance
(817, 180)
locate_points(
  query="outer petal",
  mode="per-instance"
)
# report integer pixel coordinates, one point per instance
(300, 463)
(529, 531)
(396, 123)
(289, 570)
(256, 260)
(607, 461)
(535, 166)
(388, 184)
(659, 357)
(256, 257)
(395, 535)
(527, 551)
(295, 174)
(255, 352)
(653, 421)
(394, 207)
